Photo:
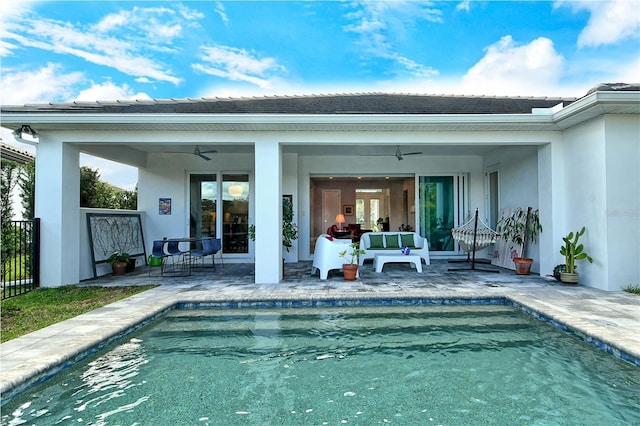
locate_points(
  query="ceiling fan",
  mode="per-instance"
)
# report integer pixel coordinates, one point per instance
(399, 154)
(200, 154)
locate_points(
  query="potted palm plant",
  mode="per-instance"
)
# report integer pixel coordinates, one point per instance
(350, 270)
(520, 228)
(118, 261)
(572, 251)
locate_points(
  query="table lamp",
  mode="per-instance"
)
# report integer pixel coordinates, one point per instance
(340, 218)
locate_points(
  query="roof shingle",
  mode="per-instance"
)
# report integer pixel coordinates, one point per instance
(370, 103)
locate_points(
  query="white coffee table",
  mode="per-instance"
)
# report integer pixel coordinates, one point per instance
(413, 259)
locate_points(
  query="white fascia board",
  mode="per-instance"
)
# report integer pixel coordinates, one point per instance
(51, 121)
(595, 104)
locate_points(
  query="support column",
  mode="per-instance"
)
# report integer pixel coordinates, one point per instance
(57, 204)
(550, 183)
(268, 212)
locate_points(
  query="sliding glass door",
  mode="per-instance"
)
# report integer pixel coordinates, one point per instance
(219, 208)
(441, 201)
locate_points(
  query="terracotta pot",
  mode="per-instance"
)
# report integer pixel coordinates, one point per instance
(350, 271)
(523, 265)
(119, 268)
(569, 277)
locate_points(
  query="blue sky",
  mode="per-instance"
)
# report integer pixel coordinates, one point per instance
(106, 50)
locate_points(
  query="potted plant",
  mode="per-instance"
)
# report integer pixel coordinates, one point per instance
(572, 251)
(350, 270)
(520, 228)
(118, 261)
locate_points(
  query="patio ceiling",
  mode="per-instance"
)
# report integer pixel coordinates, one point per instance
(365, 150)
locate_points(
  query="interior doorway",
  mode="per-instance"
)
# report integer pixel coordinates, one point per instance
(351, 189)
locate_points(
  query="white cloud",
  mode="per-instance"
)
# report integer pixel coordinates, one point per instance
(219, 9)
(509, 68)
(10, 10)
(121, 41)
(465, 5)
(45, 84)
(610, 21)
(379, 24)
(109, 91)
(238, 65)
(415, 69)
(154, 25)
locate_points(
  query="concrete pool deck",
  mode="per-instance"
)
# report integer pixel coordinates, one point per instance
(611, 318)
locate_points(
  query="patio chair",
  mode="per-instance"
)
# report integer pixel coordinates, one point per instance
(174, 252)
(217, 249)
(326, 255)
(157, 251)
(206, 250)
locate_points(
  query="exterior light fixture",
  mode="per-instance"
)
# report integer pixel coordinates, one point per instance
(25, 129)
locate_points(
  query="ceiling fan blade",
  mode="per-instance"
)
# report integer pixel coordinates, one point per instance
(209, 151)
(412, 153)
(200, 154)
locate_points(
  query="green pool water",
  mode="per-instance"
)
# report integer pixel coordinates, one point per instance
(419, 365)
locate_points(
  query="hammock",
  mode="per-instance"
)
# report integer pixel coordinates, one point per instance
(472, 236)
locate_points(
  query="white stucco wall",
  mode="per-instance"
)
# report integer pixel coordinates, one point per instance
(518, 181)
(622, 150)
(584, 196)
(57, 204)
(601, 165)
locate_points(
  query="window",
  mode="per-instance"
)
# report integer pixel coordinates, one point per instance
(368, 208)
(203, 209)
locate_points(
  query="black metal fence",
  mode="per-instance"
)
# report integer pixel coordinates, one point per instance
(20, 257)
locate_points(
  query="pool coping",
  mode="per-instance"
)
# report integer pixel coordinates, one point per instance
(32, 359)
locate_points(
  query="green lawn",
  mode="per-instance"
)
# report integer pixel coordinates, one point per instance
(42, 307)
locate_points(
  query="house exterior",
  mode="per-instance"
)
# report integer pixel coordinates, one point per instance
(8, 152)
(215, 166)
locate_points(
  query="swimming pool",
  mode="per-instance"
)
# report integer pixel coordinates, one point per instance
(489, 364)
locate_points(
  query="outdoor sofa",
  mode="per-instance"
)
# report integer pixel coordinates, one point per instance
(387, 242)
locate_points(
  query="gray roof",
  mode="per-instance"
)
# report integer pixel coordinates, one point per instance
(9, 152)
(368, 103)
(357, 103)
